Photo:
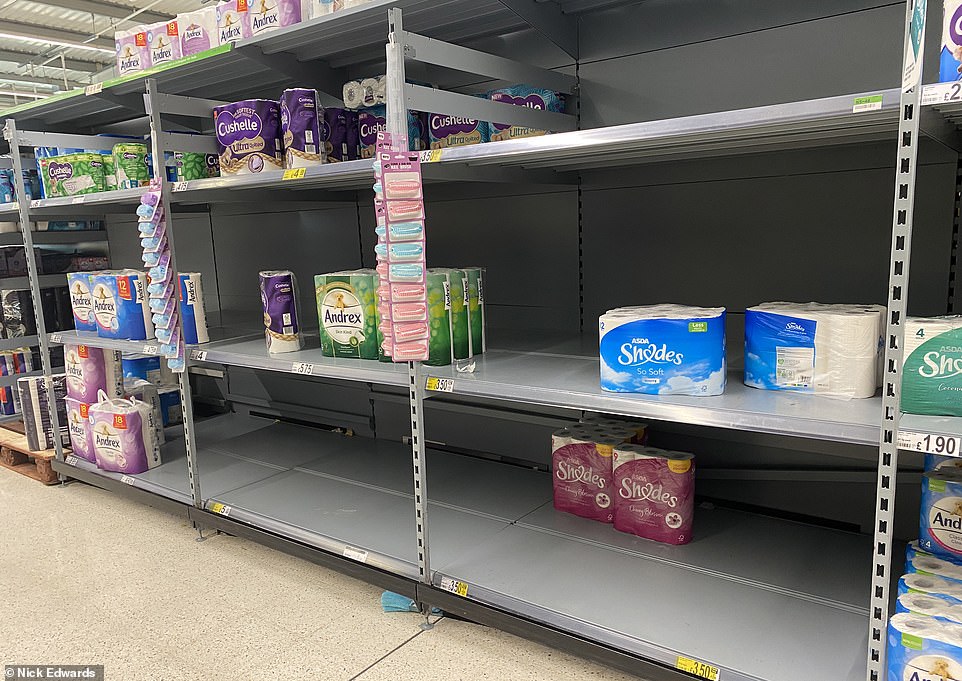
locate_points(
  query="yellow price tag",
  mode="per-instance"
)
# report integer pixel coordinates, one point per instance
(455, 586)
(294, 173)
(702, 669)
(219, 508)
(439, 385)
(430, 156)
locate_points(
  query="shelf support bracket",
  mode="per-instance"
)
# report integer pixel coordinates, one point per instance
(548, 19)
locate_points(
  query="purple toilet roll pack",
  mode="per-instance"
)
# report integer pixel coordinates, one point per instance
(249, 136)
(301, 117)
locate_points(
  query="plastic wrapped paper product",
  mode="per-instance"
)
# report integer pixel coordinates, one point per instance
(523, 95)
(130, 165)
(950, 58)
(198, 30)
(654, 493)
(940, 514)
(339, 135)
(72, 174)
(124, 439)
(923, 649)
(81, 302)
(78, 426)
(279, 299)
(830, 350)
(34, 403)
(91, 370)
(120, 305)
(932, 366)
(163, 40)
(301, 125)
(663, 350)
(347, 313)
(249, 136)
(264, 16)
(581, 472)
(232, 21)
(133, 54)
(192, 311)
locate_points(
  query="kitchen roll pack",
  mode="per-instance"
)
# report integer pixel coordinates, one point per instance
(279, 301)
(932, 366)
(91, 371)
(663, 350)
(654, 493)
(940, 514)
(923, 649)
(831, 350)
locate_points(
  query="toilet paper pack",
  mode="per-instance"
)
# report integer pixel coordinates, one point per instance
(279, 301)
(931, 585)
(923, 649)
(927, 564)
(530, 97)
(654, 492)
(81, 302)
(35, 396)
(130, 165)
(581, 472)
(120, 305)
(78, 426)
(301, 116)
(163, 40)
(198, 30)
(455, 131)
(92, 370)
(133, 54)
(249, 136)
(950, 57)
(232, 22)
(932, 366)
(192, 312)
(123, 436)
(663, 350)
(440, 350)
(929, 606)
(146, 392)
(347, 313)
(339, 135)
(373, 120)
(460, 301)
(830, 350)
(476, 314)
(264, 16)
(940, 514)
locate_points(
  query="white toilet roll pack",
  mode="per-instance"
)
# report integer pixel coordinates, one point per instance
(931, 585)
(279, 299)
(929, 606)
(923, 649)
(831, 350)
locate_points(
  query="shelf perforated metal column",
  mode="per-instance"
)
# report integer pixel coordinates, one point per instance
(397, 126)
(905, 175)
(34, 277)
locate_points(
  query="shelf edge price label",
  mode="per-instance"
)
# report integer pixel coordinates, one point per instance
(355, 554)
(199, 355)
(698, 668)
(151, 349)
(944, 445)
(179, 187)
(294, 174)
(303, 368)
(220, 509)
(454, 586)
(430, 156)
(869, 103)
(439, 385)
(78, 199)
(94, 89)
(36, 203)
(56, 338)
(941, 93)
(127, 480)
(71, 460)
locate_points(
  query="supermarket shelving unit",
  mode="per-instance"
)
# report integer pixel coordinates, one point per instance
(484, 541)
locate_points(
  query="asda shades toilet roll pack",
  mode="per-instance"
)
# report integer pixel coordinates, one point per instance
(654, 493)
(932, 366)
(831, 350)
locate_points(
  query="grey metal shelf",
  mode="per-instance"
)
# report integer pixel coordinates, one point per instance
(11, 380)
(69, 204)
(48, 238)
(562, 376)
(19, 342)
(144, 347)
(45, 280)
(10, 212)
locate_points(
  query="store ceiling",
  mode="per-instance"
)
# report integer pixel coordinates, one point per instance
(39, 38)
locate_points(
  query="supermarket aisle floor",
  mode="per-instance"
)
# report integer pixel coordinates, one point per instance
(91, 578)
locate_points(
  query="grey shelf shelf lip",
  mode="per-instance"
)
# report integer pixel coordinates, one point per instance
(946, 426)
(573, 381)
(350, 174)
(19, 342)
(11, 380)
(150, 346)
(46, 281)
(43, 238)
(116, 197)
(10, 212)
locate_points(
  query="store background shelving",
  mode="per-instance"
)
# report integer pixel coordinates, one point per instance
(491, 522)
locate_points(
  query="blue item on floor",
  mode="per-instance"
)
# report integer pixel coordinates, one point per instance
(392, 602)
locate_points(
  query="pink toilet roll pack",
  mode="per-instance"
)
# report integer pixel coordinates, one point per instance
(78, 426)
(123, 435)
(581, 472)
(654, 493)
(92, 370)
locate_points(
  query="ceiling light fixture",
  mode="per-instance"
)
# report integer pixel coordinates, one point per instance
(62, 43)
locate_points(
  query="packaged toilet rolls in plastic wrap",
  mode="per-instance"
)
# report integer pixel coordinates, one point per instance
(163, 39)
(923, 649)
(133, 54)
(932, 366)
(232, 22)
(931, 585)
(654, 493)
(301, 123)
(663, 350)
(523, 95)
(339, 135)
(928, 564)
(929, 606)
(249, 136)
(35, 396)
(120, 305)
(123, 435)
(198, 30)
(279, 300)
(78, 426)
(581, 473)
(81, 302)
(146, 392)
(192, 312)
(347, 313)
(940, 514)
(830, 350)
(92, 370)
(950, 58)
(264, 16)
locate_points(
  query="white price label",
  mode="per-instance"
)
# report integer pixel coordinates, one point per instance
(127, 480)
(179, 187)
(36, 203)
(439, 385)
(78, 199)
(454, 586)
(430, 156)
(304, 368)
(151, 349)
(220, 509)
(355, 554)
(945, 445)
(71, 460)
(198, 355)
(940, 93)
(56, 338)
(94, 89)
(869, 103)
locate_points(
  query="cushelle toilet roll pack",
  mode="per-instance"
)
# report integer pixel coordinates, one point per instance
(602, 470)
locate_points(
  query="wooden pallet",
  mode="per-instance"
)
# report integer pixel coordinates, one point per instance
(16, 455)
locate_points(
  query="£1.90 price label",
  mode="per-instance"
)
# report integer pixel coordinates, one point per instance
(698, 668)
(945, 445)
(439, 385)
(454, 586)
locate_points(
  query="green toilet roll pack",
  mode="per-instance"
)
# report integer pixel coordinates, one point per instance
(347, 313)
(932, 366)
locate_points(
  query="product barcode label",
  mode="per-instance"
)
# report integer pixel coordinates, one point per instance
(439, 385)
(71, 460)
(179, 187)
(199, 355)
(127, 480)
(56, 338)
(702, 669)
(304, 368)
(294, 173)
(945, 445)
(794, 367)
(94, 89)
(355, 554)
(454, 586)
(939, 93)
(220, 509)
